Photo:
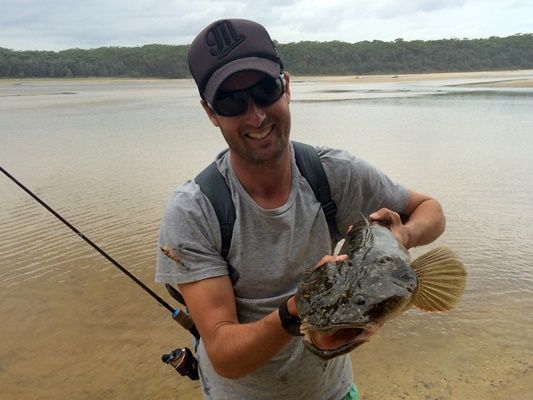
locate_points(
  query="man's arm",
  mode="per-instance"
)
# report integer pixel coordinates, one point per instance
(425, 223)
(234, 349)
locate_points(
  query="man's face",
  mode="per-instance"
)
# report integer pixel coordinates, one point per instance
(260, 134)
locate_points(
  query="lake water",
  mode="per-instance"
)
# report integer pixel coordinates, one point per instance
(106, 154)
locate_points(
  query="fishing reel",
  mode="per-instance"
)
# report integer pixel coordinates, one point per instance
(183, 361)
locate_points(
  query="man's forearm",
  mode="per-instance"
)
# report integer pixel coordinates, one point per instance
(236, 349)
(426, 223)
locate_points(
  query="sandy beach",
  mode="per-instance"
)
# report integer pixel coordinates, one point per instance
(515, 79)
(520, 78)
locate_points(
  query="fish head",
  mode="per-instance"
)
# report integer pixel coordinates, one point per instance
(342, 305)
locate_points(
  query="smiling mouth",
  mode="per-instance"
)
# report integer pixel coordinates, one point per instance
(260, 134)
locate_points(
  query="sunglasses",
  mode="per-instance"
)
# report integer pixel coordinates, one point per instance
(264, 93)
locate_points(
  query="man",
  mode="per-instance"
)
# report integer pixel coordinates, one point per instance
(280, 229)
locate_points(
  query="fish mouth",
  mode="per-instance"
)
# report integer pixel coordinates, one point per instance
(333, 342)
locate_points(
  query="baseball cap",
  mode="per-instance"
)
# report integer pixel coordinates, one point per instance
(228, 46)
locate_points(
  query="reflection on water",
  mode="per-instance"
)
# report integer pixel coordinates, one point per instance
(107, 154)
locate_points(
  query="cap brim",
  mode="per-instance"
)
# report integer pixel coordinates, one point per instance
(260, 64)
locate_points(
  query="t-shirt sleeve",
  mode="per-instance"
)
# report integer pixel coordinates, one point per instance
(358, 188)
(189, 239)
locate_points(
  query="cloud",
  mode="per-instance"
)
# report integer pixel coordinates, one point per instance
(61, 24)
(392, 9)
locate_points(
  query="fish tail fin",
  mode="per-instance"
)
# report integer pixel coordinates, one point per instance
(441, 280)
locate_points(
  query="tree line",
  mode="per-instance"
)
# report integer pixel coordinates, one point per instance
(300, 58)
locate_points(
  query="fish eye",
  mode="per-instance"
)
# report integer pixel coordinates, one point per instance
(385, 259)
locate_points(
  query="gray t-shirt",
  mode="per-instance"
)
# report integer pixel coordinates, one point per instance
(270, 250)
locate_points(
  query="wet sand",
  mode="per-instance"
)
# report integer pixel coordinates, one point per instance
(96, 336)
(511, 83)
(512, 78)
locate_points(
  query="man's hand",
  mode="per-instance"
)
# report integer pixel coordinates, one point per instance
(425, 223)
(394, 222)
(291, 303)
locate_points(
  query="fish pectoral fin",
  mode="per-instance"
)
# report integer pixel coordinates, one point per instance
(441, 280)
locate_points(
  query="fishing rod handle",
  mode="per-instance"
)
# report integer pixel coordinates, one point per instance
(182, 318)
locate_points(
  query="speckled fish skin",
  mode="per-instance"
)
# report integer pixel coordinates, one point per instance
(375, 284)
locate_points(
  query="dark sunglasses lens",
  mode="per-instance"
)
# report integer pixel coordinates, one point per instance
(230, 104)
(264, 93)
(267, 91)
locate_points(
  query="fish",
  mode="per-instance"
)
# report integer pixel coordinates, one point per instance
(343, 304)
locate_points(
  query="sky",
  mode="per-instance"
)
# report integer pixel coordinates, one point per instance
(63, 24)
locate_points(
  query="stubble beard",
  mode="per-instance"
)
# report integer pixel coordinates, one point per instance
(270, 153)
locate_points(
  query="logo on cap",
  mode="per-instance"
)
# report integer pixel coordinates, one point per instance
(222, 39)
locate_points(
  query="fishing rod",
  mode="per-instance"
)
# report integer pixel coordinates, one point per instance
(178, 315)
(181, 359)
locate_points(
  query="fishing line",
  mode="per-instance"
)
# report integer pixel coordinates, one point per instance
(178, 315)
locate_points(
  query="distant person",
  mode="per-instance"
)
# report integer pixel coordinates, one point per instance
(243, 306)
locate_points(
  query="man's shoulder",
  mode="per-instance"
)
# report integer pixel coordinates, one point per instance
(185, 199)
(187, 191)
(331, 154)
(339, 163)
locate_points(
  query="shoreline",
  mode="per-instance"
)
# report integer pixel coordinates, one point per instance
(516, 78)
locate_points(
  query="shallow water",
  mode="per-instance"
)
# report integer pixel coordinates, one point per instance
(106, 155)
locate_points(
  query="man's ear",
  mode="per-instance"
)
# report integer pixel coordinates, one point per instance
(287, 86)
(210, 113)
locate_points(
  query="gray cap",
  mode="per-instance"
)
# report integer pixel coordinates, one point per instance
(228, 46)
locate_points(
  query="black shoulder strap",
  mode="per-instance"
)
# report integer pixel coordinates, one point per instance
(215, 188)
(311, 168)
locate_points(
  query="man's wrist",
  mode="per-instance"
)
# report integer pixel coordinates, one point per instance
(289, 322)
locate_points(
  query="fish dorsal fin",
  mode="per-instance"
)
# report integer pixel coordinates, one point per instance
(441, 280)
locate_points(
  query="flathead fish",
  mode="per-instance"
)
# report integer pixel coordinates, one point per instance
(343, 304)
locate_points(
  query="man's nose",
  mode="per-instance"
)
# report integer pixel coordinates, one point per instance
(255, 115)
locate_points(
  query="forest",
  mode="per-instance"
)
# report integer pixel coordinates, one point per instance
(299, 58)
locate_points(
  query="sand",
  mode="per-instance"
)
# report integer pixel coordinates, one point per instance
(516, 79)
(521, 78)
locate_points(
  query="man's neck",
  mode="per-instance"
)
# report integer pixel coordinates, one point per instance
(268, 183)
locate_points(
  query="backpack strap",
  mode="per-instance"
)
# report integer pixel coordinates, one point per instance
(311, 168)
(214, 187)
